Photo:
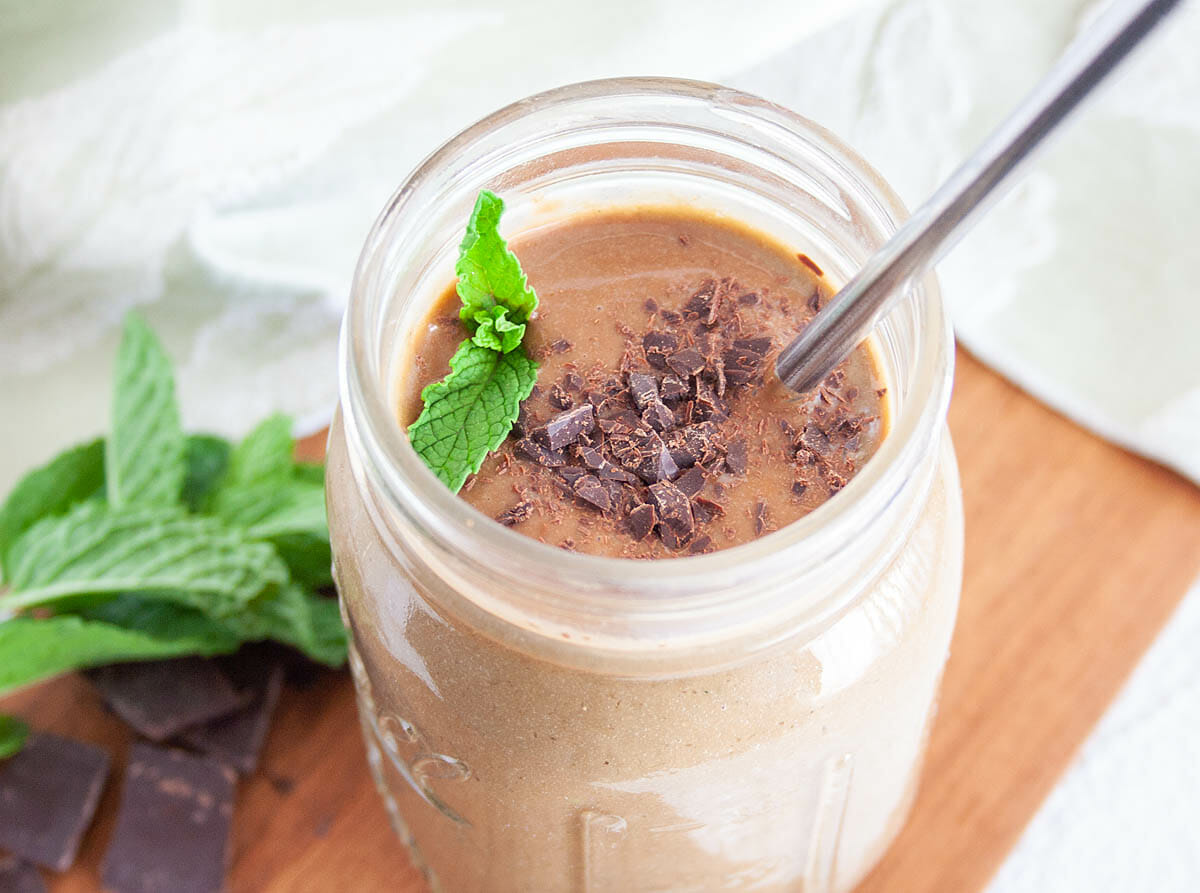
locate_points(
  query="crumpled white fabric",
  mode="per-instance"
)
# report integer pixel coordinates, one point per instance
(218, 163)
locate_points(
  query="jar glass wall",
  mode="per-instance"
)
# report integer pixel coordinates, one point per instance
(542, 720)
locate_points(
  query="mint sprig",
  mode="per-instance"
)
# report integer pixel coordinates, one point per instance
(470, 412)
(152, 543)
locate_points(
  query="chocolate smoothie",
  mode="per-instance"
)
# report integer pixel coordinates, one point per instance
(657, 427)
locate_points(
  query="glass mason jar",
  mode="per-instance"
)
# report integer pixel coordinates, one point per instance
(540, 720)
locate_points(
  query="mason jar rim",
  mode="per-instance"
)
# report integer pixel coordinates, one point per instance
(571, 578)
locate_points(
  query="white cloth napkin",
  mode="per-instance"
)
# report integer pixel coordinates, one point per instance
(218, 162)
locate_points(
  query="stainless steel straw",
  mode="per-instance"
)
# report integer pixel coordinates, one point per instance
(938, 224)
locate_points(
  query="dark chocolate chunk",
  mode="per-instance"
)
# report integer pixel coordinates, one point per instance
(237, 739)
(686, 362)
(816, 440)
(671, 316)
(19, 877)
(798, 488)
(672, 539)
(741, 365)
(709, 407)
(673, 507)
(643, 388)
(691, 481)
(562, 345)
(658, 417)
(762, 518)
(559, 398)
(749, 299)
(591, 490)
(172, 833)
(571, 474)
(161, 698)
(48, 795)
(705, 509)
(643, 452)
(531, 449)
(736, 457)
(564, 429)
(606, 471)
(573, 382)
(641, 521)
(701, 301)
(760, 346)
(650, 305)
(515, 515)
(657, 346)
(702, 543)
(672, 389)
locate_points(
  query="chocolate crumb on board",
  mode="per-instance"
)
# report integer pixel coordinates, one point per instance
(161, 698)
(173, 825)
(49, 791)
(19, 877)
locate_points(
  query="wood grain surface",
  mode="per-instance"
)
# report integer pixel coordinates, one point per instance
(1077, 553)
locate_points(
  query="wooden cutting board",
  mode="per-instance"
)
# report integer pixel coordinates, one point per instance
(1077, 553)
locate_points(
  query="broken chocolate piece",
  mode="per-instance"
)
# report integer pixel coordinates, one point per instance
(673, 507)
(691, 481)
(591, 490)
(515, 515)
(562, 345)
(798, 488)
(237, 739)
(48, 794)
(749, 299)
(643, 388)
(559, 398)
(531, 449)
(573, 382)
(161, 698)
(702, 543)
(762, 520)
(564, 429)
(643, 452)
(657, 346)
(709, 407)
(736, 457)
(641, 521)
(672, 389)
(760, 346)
(658, 417)
(686, 363)
(172, 833)
(705, 509)
(19, 877)
(701, 301)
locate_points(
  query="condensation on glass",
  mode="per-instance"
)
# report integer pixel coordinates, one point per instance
(753, 719)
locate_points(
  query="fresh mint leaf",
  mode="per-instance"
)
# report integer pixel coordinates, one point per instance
(496, 331)
(95, 552)
(310, 472)
(489, 274)
(207, 460)
(296, 616)
(13, 733)
(144, 457)
(264, 456)
(308, 558)
(37, 649)
(70, 477)
(469, 412)
(291, 516)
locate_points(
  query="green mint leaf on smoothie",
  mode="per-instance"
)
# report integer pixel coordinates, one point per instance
(496, 331)
(470, 412)
(144, 459)
(13, 733)
(489, 274)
